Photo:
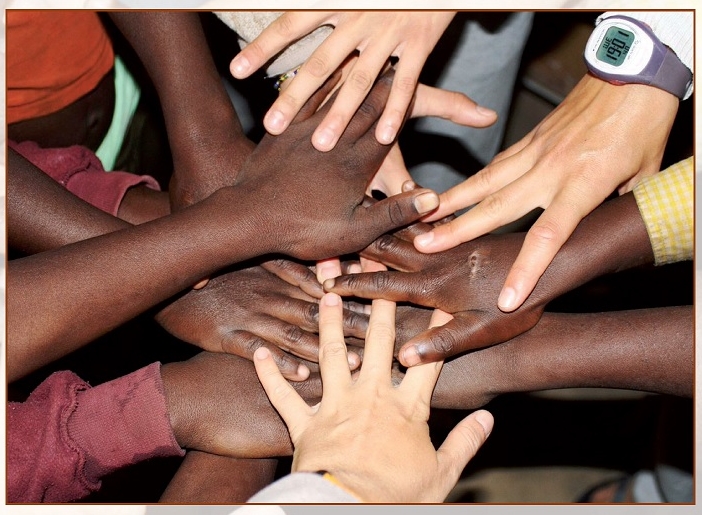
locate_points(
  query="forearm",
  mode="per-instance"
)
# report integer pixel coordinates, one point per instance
(650, 350)
(61, 299)
(612, 238)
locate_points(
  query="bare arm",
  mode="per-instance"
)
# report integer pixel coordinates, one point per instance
(649, 349)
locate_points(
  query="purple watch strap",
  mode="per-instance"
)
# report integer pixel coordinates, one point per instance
(672, 75)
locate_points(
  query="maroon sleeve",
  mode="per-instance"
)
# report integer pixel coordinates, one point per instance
(67, 435)
(80, 171)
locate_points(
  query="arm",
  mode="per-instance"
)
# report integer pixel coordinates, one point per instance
(206, 138)
(61, 299)
(650, 350)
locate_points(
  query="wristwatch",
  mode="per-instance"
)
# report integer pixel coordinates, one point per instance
(623, 50)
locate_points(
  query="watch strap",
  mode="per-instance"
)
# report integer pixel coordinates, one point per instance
(672, 75)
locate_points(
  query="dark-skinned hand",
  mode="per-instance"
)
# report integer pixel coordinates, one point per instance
(459, 281)
(216, 404)
(242, 310)
(316, 198)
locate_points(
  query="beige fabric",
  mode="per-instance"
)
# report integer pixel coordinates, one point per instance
(248, 25)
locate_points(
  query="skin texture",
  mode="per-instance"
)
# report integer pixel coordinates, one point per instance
(375, 35)
(565, 165)
(649, 349)
(363, 426)
(205, 478)
(463, 281)
(243, 310)
(206, 138)
(208, 416)
(106, 275)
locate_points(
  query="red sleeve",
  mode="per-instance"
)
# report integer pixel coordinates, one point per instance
(79, 170)
(66, 435)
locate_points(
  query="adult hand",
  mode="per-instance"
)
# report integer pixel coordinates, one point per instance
(411, 36)
(599, 138)
(314, 201)
(243, 310)
(362, 429)
(216, 405)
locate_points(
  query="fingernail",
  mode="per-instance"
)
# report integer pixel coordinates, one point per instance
(355, 269)
(485, 419)
(324, 139)
(409, 186)
(303, 371)
(387, 135)
(331, 299)
(507, 299)
(426, 202)
(240, 66)
(485, 111)
(275, 122)
(262, 353)
(353, 359)
(423, 240)
(329, 284)
(410, 356)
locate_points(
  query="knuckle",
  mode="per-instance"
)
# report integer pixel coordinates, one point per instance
(385, 243)
(284, 26)
(485, 178)
(360, 80)
(405, 84)
(294, 335)
(493, 206)
(332, 350)
(396, 213)
(544, 234)
(242, 340)
(311, 314)
(317, 66)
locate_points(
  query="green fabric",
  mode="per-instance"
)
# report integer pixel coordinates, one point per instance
(127, 95)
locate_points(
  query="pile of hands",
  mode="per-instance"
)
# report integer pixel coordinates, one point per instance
(461, 289)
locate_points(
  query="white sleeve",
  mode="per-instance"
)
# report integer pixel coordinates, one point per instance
(300, 488)
(673, 28)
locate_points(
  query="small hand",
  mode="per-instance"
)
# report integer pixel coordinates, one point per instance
(599, 138)
(460, 281)
(411, 36)
(242, 310)
(362, 428)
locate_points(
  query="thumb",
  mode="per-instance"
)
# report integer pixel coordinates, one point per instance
(397, 211)
(461, 444)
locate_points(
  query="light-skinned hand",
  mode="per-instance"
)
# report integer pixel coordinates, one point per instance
(371, 434)
(600, 138)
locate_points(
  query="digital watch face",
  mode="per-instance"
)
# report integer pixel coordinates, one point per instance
(615, 46)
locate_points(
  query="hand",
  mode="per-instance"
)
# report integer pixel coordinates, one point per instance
(312, 202)
(362, 429)
(217, 405)
(460, 281)
(242, 310)
(411, 36)
(599, 138)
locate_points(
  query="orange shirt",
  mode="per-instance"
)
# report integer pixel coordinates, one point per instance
(54, 57)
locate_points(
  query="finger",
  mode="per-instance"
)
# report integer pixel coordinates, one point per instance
(420, 380)
(281, 394)
(393, 212)
(201, 284)
(328, 269)
(295, 274)
(367, 114)
(395, 253)
(451, 105)
(394, 286)
(541, 244)
(496, 210)
(245, 344)
(353, 91)
(461, 444)
(312, 105)
(333, 362)
(392, 174)
(283, 31)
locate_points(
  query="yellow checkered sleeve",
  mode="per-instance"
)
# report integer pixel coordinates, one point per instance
(665, 201)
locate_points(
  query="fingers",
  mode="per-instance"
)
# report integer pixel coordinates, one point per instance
(281, 394)
(461, 444)
(449, 105)
(278, 35)
(541, 244)
(396, 253)
(333, 362)
(394, 212)
(420, 380)
(327, 269)
(311, 106)
(394, 286)
(295, 274)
